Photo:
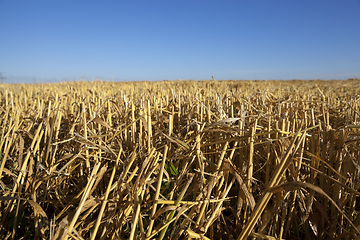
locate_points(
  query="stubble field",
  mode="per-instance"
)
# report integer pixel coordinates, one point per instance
(180, 159)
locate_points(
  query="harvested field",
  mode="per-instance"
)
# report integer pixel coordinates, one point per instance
(181, 159)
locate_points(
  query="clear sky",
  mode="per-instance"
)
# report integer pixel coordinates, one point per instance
(179, 39)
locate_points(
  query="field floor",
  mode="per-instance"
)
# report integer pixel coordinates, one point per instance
(180, 160)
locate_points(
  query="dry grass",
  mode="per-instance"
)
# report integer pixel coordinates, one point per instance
(183, 159)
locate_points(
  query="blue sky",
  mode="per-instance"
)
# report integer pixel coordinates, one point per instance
(178, 39)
